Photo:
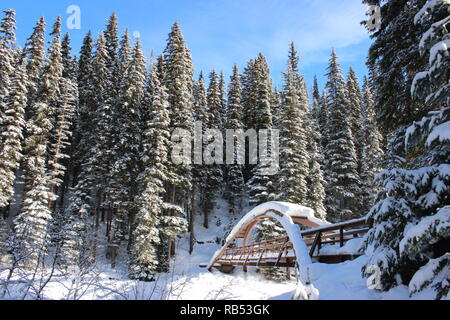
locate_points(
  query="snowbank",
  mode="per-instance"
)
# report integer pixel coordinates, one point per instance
(352, 246)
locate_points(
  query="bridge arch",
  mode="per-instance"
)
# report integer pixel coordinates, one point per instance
(291, 217)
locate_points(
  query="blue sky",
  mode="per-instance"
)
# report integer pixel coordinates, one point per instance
(223, 32)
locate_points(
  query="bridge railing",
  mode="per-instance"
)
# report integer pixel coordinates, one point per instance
(338, 233)
(279, 252)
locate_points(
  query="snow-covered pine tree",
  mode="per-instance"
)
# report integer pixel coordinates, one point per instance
(178, 79)
(431, 85)
(395, 59)
(294, 158)
(34, 52)
(59, 149)
(410, 238)
(248, 109)
(200, 172)
(341, 161)
(316, 105)
(316, 181)
(12, 104)
(322, 121)
(270, 229)
(32, 222)
(372, 152)
(12, 127)
(74, 225)
(160, 68)
(69, 83)
(117, 58)
(427, 239)
(261, 185)
(103, 133)
(214, 175)
(124, 57)
(147, 247)
(111, 35)
(83, 117)
(7, 43)
(354, 105)
(235, 188)
(92, 125)
(224, 116)
(248, 94)
(261, 188)
(276, 107)
(124, 186)
(223, 98)
(60, 152)
(69, 62)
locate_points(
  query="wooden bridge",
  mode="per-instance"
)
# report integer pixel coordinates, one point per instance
(298, 248)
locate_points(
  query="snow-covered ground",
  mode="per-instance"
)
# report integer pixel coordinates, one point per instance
(187, 281)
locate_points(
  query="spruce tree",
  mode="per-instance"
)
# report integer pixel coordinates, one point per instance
(178, 79)
(372, 152)
(276, 107)
(31, 224)
(354, 99)
(341, 160)
(12, 127)
(70, 68)
(146, 236)
(127, 166)
(34, 52)
(261, 185)
(112, 45)
(7, 43)
(409, 241)
(235, 181)
(214, 175)
(316, 105)
(83, 117)
(261, 188)
(294, 162)
(223, 98)
(248, 110)
(395, 60)
(12, 104)
(316, 181)
(60, 149)
(92, 125)
(199, 171)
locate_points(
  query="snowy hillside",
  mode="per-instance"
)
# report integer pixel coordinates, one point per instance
(188, 281)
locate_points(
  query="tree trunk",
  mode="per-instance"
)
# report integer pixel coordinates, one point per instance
(192, 220)
(205, 216)
(132, 217)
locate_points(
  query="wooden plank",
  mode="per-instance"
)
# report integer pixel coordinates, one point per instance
(333, 227)
(346, 233)
(315, 243)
